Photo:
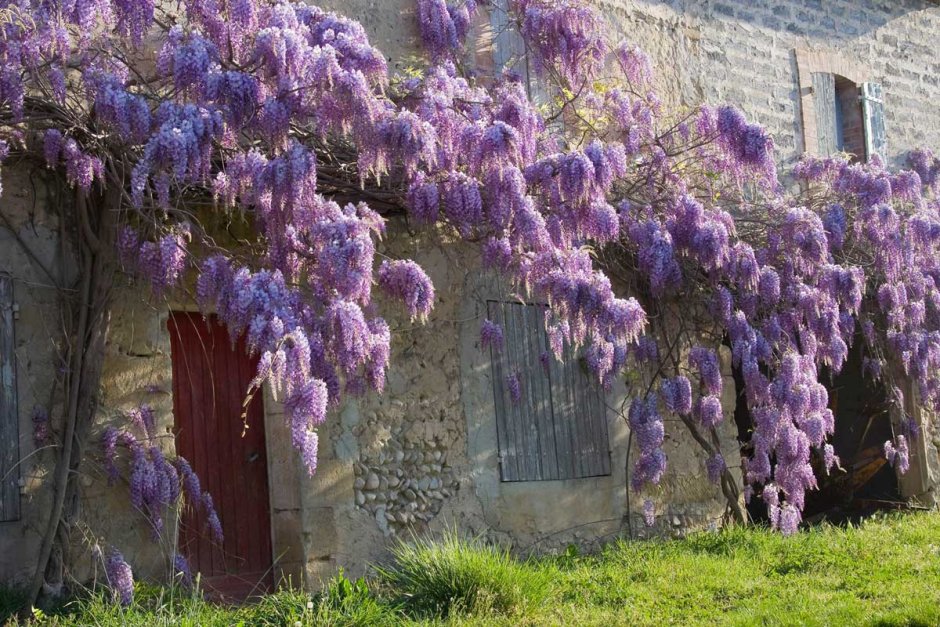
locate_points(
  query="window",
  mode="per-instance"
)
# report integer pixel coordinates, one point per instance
(848, 118)
(9, 417)
(557, 427)
(841, 111)
(509, 51)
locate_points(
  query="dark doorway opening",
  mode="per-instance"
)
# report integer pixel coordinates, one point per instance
(865, 483)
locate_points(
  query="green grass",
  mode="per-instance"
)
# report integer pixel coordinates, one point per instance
(883, 572)
(453, 576)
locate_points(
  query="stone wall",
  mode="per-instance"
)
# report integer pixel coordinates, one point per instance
(745, 53)
(422, 457)
(136, 371)
(35, 334)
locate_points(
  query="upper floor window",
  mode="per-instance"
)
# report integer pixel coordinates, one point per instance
(841, 111)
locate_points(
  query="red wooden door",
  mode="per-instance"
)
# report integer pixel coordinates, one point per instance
(210, 381)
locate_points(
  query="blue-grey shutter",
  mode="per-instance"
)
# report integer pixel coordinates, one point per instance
(824, 100)
(510, 52)
(509, 49)
(524, 427)
(873, 112)
(9, 417)
(558, 427)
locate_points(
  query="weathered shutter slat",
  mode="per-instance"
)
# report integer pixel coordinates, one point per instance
(590, 416)
(603, 434)
(506, 440)
(580, 420)
(824, 98)
(561, 426)
(541, 391)
(564, 403)
(9, 416)
(509, 51)
(598, 421)
(873, 112)
(526, 424)
(582, 463)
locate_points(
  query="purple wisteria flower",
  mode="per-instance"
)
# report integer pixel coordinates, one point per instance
(120, 577)
(491, 335)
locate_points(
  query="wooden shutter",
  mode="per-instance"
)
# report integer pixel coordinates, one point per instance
(510, 52)
(9, 417)
(873, 112)
(824, 98)
(558, 427)
(509, 48)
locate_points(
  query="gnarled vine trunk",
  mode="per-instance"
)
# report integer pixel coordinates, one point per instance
(95, 251)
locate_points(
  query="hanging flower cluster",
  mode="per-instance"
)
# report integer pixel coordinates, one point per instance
(120, 577)
(444, 26)
(564, 36)
(156, 483)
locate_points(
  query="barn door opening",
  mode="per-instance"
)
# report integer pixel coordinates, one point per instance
(865, 483)
(210, 381)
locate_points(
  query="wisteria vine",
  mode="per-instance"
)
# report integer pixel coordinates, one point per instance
(275, 110)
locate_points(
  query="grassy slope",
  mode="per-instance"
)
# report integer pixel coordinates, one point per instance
(886, 572)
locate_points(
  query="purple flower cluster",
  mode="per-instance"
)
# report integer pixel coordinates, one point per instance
(491, 336)
(705, 362)
(748, 144)
(120, 577)
(81, 169)
(563, 36)
(635, 64)
(444, 26)
(898, 454)
(406, 281)
(134, 18)
(715, 466)
(161, 263)
(145, 420)
(182, 574)
(156, 483)
(708, 411)
(926, 166)
(647, 427)
(677, 395)
(128, 113)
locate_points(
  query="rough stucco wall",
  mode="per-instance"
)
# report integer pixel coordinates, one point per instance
(421, 458)
(284, 470)
(136, 370)
(742, 53)
(35, 331)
